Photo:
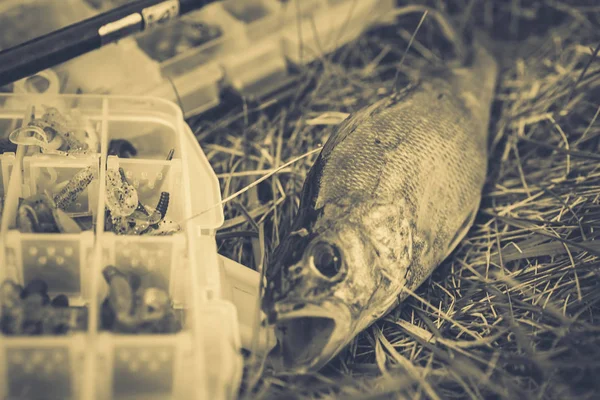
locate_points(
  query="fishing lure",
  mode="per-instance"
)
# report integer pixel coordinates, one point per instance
(392, 193)
(163, 204)
(39, 214)
(139, 220)
(29, 311)
(76, 185)
(121, 148)
(163, 228)
(36, 214)
(56, 133)
(135, 307)
(135, 224)
(121, 197)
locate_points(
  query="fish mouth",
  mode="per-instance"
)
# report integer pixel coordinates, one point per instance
(309, 338)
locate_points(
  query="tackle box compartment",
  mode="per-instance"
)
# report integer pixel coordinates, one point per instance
(202, 360)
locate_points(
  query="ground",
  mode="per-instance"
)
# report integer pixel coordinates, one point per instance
(511, 314)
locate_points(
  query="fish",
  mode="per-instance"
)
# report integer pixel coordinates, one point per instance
(394, 190)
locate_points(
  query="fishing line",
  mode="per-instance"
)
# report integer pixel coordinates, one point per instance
(410, 42)
(176, 94)
(447, 30)
(250, 186)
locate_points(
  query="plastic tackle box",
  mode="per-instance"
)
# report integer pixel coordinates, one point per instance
(247, 45)
(203, 360)
(259, 41)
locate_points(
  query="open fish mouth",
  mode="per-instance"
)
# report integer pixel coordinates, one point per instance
(303, 339)
(309, 338)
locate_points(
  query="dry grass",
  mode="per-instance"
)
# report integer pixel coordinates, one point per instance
(512, 312)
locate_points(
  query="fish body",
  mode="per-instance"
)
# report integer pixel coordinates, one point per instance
(392, 193)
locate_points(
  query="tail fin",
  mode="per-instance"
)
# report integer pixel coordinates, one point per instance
(477, 77)
(485, 65)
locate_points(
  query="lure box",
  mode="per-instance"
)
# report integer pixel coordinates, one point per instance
(258, 43)
(201, 361)
(250, 46)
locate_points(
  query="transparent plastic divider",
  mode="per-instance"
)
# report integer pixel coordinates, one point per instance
(144, 366)
(43, 368)
(61, 260)
(91, 369)
(22, 115)
(219, 362)
(7, 160)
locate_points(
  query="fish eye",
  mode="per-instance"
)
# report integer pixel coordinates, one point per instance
(326, 259)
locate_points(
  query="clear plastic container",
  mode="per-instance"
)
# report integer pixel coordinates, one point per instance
(258, 38)
(246, 56)
(336, 24)
(202, 360)
(246, 45)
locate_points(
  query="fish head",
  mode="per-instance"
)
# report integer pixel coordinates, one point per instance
(323, 288)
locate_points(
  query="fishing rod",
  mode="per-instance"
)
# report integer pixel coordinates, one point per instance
(47, 51)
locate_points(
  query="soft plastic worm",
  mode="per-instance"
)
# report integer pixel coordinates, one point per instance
(35, 214)
(140, 206)
(76, 185)
(69, 128)
(163, 204)
(163, 228)
(36, 136)
(54, 133)
(120, 295)
(121, 198)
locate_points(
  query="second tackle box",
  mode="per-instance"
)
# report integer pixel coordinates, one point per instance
(252, 48)
(196, 352)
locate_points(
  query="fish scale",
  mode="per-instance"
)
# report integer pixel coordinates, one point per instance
(392, 193)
